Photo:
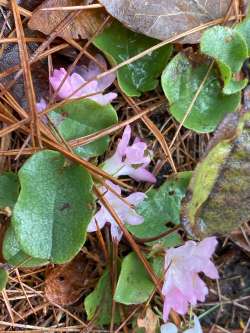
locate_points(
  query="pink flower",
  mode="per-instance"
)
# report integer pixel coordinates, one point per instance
(171, 328)
(126, 213)
(182, 283)
(75, 80)
(130, 160)
(41, 105)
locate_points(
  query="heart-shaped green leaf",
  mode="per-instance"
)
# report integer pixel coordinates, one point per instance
(9, 188)
(180, 81)
(98, 304)
(3, 278)
(80, 118)
(14, 255)
(134, 285)
(229, 49)
(54, 207)
(120, 44)
(161, 206)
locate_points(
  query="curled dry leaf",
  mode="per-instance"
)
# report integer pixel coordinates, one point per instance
(149, 322)
(64, 284)
(84, 25)
(163, 19)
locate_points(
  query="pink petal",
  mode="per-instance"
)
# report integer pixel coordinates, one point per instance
(142, 175)
(136, 198)
(56, 79)
(41, 105)
(107, 80)
(100, 219)
(103, 99)
(76, 82)
(176, 301)
(123, 144)
(211, 271)
(133, 218)
(200, 289)
(113, 164)
(207, 247)
(135, 154)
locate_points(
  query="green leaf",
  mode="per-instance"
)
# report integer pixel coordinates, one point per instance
(54, 207)
(134, 285)
(162, 205)
(9, 188)
(180, 81)
(120, 44)
(14, 255)
(3, 278)
(80, 118)
(98, 304)
(244, 29)
(229, 49)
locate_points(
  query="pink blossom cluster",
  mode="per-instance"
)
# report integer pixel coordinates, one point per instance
(182, 284)
(123, 208)
(75, 85)
(130, 160)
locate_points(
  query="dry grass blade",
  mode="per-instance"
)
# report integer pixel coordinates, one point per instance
(29, 88)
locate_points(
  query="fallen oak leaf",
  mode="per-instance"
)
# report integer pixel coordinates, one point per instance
(83, 26)
(64, 284)
(163, 19)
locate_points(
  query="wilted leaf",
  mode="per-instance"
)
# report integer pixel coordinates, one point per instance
(65, 283)
(217, 201)
(161, 206)
(9, 188)
(54, 207)
(229, 49)
(120, 44)
(79, 118)
(3, 278)
(98, 304)
(163, 19)
(134, 285)
(149, 322)
(180, 81)
(13, 254)
(84, 25)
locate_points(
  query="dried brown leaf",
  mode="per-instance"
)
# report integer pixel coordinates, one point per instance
(163, 19)
(65, 283)
(149, 322)
(84, 25)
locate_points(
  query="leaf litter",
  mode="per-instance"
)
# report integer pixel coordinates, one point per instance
(53, 296)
